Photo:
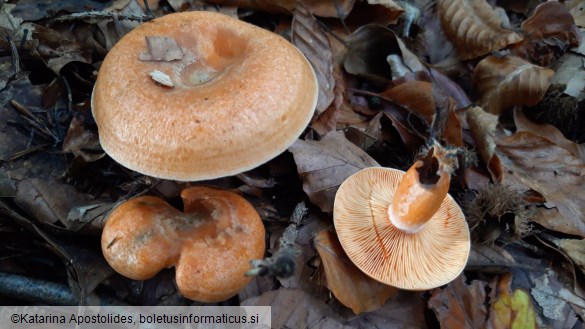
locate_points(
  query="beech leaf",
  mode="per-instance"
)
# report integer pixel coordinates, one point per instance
(509, 81)
(349, 284)
(549, 169)
(323, 165)
(512, 309)
(483, 127)
(308, 36)
(474, 27)
(460, 305)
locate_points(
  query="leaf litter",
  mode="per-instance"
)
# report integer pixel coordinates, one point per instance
(385, 69)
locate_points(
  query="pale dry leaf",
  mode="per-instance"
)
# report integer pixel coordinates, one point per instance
(460, 305)
(474, 27)
(349, 285)
(555, 300)
(310, 39)
(323, 165)
(162, 48)
(550, 170)
(577, 10)
(575, 249)
(509, 81)
(482, 126)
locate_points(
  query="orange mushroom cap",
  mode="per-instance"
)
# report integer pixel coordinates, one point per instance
(210, 244)
(240, 96)
(430, 257)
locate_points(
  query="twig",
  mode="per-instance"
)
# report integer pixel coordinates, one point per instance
(102, 15)
(48, 293)
(282, 263)
(15, 57)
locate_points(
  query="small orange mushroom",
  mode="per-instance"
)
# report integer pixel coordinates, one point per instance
(211, 243)
(404, 229)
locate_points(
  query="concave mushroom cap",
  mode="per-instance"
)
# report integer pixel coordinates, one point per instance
(210, 244)
(429, 258)
(241, 96)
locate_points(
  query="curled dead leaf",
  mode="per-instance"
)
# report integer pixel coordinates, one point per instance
(549, 32)
(460, 305)
(308, 36)
(368, 51)
(474, 27)
(348, 284)
(483, 127)
(418, 98)
(323, 165)
(509, 81)
(549, 169)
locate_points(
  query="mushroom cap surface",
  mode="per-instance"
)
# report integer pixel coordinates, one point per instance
(241, 96)
(210, 244)
(433, 256)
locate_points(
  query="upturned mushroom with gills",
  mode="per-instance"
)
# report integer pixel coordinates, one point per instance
(404, 229)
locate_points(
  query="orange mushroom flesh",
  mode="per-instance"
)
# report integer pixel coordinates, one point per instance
(200, 95)
(211, 243)
(418, 253)
(420, 192)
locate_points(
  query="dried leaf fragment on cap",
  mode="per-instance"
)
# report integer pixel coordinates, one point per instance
(162, 49)
(474, 27)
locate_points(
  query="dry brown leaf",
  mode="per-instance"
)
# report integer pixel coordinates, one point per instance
(483, 126)
(368, 51)
(323, 165)
(292, 308)
(417, 97)
(308, 36)
(460, 305)
(82, 142)
(348, 284)
(549, 132)
(474, 27)
(339, 9)
(548, 33)
(49, 201)
(549, 169)
(57, 50)
(509, 81)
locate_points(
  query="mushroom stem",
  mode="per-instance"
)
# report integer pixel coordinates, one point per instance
(422, 189)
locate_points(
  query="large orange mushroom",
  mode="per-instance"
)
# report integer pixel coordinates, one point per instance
(404, 229)
(210, 244)
(200, 95)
